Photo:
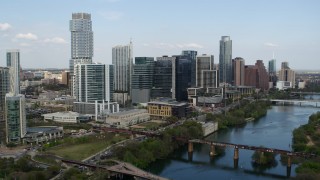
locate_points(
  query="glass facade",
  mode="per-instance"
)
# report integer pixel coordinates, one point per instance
(225, 60)
(4, 89)
(142, 79)
(91, 79)
(162, 77)
(181, 77)
(15, 118)
(193, 55)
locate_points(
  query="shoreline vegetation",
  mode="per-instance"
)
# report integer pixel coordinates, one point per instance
(247, 111)
(306, 138)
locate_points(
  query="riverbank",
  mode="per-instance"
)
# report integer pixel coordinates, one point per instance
(306, 138)
(247, 111)
(274, 130)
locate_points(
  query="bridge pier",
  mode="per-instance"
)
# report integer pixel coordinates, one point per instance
(236, 157)
(289, 166)
(289, 161)
(190, 151)
(190, 147)
(212, 151)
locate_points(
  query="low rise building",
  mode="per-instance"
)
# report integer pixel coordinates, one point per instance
(66, 117)
(165, 107)
(42, 134)
(128, 118)
(283, 85)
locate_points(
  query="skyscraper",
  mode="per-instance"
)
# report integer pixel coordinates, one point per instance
(238, 68)
(122, 60)
(272, 72)
(92, 82)
(181, 77)
(4, 89)
(257, 76)
(162, 77)
(192, 54)
(16, 127)
(225, 60)
(15, 113)
(13, 63)
(272, 66)
(81, 42)
(205, 73)
(142, 79)
(287, 74)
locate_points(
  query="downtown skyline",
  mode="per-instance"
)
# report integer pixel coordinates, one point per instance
(257, 29)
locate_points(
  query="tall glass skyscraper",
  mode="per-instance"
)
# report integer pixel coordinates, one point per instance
(13, 63)
(142, 79)
(4, 89)
(81, 42)
(225, 60)
(162, 77)
(272, 66)
(93, 82)
(181, 77)
(193, 55)
(15, 113)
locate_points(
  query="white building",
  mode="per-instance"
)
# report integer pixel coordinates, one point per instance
(66, 117)
(81, 41)
(128, 118)
(122, 59)
(282, 85)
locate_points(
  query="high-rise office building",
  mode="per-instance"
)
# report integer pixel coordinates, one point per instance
(238, 68)
(287, 74)
(13, 63)
(92, 82)
(225, 60)
(205, 72)
(122, 60)
(257, 76)
(81, 42)
(181, 77)
(109, 83)
(142, 79)
(162, 77)
(285, 65)
(15, 113)
(272, 66)
(4, 89)
(272, 72)
(193, 55)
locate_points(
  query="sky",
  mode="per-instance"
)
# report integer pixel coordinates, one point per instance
(258, 28)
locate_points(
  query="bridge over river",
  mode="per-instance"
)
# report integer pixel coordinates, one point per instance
(119, 169)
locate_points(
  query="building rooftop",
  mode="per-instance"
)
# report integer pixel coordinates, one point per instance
(42, 129)
(63, 113)
(167, 101)
(128, 112)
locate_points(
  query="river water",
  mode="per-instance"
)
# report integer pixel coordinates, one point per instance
(273, 131)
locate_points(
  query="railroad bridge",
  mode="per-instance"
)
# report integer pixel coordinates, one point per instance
(236, 147)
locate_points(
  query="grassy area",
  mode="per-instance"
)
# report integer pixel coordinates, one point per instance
(46, 159)
(150, 125)
(81, 148)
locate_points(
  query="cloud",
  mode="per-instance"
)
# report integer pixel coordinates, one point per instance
(5, 26)
(24, 44)
(271, 44)
(28, 36)
(112, 15)
(56, 40)
(178, 45)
